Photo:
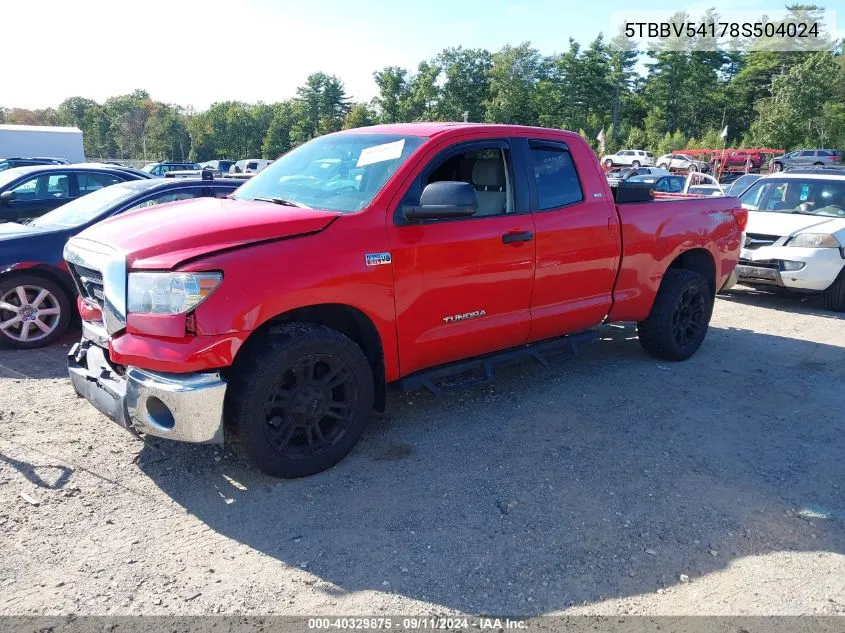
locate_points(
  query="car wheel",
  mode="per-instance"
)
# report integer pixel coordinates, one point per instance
(635, 163)
(663, 166)
(608, 163)
(834, 296)
(693, 167)
(34, 311)
(777, 167)
(299, 401)
(679, 318)
(818, 164)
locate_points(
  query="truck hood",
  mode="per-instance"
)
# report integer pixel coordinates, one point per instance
(769, 223)
(163, 236)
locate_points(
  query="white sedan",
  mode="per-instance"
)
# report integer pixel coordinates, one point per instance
(795, 236)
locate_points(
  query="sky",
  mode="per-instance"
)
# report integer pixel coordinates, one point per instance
(195, 53)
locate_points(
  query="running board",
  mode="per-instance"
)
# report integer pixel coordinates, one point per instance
(479, 370)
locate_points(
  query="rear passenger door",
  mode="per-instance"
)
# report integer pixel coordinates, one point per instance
(577, 236)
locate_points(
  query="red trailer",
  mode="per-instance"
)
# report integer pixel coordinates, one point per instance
(734, 160)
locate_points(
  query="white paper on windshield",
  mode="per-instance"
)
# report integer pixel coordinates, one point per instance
(381, 153)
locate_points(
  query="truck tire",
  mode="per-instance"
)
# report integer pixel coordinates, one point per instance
(299, 399)
(34, 311)
(834, 296)
(677, 324)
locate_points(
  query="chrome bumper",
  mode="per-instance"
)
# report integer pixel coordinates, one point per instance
(182, 407)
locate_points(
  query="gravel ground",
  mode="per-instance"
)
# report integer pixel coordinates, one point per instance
(611, 484)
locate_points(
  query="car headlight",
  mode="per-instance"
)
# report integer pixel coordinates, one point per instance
(169, 293)
(814, 240)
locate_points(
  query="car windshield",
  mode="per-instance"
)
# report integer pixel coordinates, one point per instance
(810, 196)
(338, 172)
(88, 207)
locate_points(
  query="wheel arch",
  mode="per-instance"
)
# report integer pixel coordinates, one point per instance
(57, 276)
(343, 318)
(699, 260)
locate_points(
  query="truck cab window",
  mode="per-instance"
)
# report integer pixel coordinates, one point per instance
(557, 181)
(486, 170)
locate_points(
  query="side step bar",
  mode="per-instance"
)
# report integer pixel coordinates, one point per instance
(479, 370)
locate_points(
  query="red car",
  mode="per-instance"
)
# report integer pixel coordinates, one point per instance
(737, 159)
(381, 255)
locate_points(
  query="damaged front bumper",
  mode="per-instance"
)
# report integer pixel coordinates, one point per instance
(182, 407)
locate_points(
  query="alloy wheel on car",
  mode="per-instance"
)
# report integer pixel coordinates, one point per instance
(29, 313)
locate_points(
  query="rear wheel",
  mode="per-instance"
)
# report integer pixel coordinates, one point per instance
(834, 296)
(300, 399)
(818, 164)
(693, 167)
(679, 318)
(663, 166)
(608, 163)
(34, 311)
(635, 163)
(777, 167)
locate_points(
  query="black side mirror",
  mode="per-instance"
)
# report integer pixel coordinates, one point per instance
(7, 196)
(443, 200)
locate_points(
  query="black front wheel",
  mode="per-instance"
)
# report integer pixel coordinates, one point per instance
(299, 401)
(679, 318)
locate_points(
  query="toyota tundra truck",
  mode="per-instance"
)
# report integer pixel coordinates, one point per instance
(276, 319)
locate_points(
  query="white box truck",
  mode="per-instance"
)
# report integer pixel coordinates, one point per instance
(41, 141)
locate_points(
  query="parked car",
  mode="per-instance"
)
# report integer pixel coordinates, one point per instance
(736, 187)
(615, 176)
(27, 192)
(806, 157)
(243, 317)
(249, 166)
(11, 163)
(159, 169)
(36, 290)
(796, 235)
(662, 184)
(738, 158)
(681, 162)
(631, 157)
(218, 167)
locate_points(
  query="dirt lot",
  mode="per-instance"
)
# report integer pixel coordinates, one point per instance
(612, 484)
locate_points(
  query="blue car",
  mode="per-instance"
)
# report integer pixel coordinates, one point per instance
(36, 290)
(27, 192)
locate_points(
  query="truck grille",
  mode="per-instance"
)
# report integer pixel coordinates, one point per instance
(753, 241)
(90, 283)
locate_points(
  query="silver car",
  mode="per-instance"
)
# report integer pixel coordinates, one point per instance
(682, 162)
(806, 158)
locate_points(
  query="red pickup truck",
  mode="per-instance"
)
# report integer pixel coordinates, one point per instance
(278, 317)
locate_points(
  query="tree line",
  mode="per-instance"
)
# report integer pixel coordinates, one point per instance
(685, 98)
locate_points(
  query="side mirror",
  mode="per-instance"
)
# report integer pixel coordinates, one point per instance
(7, 196)
(443, 200)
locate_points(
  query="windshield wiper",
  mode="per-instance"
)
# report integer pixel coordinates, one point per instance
(281, 201)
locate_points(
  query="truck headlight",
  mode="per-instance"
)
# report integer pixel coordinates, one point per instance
(169, 293)
(814, 240)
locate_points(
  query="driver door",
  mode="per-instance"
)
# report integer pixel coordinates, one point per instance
(463, 286)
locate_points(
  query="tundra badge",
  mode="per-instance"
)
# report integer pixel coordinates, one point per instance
(453, 318)
(377, 259)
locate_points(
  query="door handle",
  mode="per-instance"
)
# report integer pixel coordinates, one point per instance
(510, 238)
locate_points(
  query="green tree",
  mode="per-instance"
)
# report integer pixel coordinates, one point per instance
(513, 78)
(361, 115)
(392, 83)
(466, 85)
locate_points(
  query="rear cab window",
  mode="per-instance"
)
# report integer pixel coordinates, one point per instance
(555, 177)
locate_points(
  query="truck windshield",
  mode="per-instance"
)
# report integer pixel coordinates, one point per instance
(339, 172)
(810, 196)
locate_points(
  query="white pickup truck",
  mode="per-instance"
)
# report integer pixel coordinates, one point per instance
(795, 237)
